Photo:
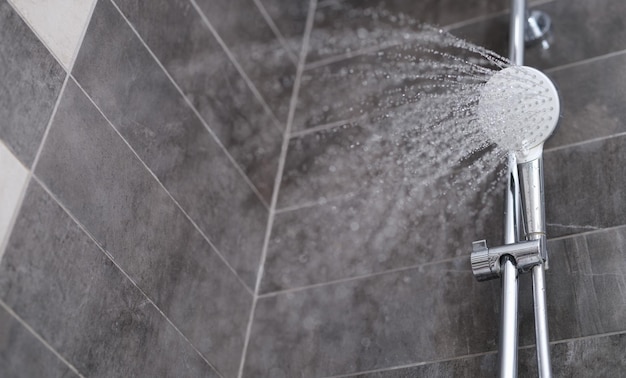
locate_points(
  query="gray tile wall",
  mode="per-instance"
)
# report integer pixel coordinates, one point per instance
(362, 284)
(29, 89)
(136, 249)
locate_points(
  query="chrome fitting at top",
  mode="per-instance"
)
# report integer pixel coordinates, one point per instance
(486, 261)
(538, 29)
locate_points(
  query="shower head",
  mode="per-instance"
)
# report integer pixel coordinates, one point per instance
(519, 109)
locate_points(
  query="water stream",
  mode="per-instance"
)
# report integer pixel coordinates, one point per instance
(410, 92)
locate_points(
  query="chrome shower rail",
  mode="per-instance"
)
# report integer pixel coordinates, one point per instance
(535, 223)
(524, 201)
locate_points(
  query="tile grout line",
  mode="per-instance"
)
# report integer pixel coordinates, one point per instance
(591, 232)
(326, 126)
(474, 355)
(417, 364)
(332, 125)
(588, 337)
(584, 142)
(112, 259)
(234, 61)
(281, 38)
(278, 179)
(415, 266)
(193, 109)
(39, 338)
(362, 277)
(475, 20)
(321, 202)
(82, 36)
(449, 28)
(585, 61)
(347, 55)
(5, 242)
(162, 186)
(489, 16)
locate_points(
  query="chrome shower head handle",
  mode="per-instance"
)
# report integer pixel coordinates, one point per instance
(519, 109)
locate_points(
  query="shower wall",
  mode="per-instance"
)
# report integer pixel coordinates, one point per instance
(139, 162)
(359, 284)
(140, 167)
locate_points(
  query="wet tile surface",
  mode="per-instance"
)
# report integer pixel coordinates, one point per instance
(211, 82)
(346, 327)
(482, 366)
(253, 43)
(585, 287)
(31, 82)
(22, 355)
(351, 25)
(590, 95)
(101, 182)
(581, 30)
(412, 315)
(94, 316)
(599, 356)
(290, 18)
(332, 93)
(141, 102)
(583, 186)
(378, 322)
(399, 147)
(376, 231)
(409, 69)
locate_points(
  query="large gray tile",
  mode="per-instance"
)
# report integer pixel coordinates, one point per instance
(585, 287)
(56, 279)
(253, 43)
(582, 29)
(374, 231)
(590, 96)
(31, 81)
(601, 356)
(412, 316)
(97, 177)
(136, 96)
(343, 26)
(198, 64)
(583, 187)
(22, 355)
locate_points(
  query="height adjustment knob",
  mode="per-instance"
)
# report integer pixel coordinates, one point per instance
(485, 265)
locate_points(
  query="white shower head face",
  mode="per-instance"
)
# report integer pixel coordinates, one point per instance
(519, 109)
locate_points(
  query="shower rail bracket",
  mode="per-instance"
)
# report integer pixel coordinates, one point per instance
(486, 261)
